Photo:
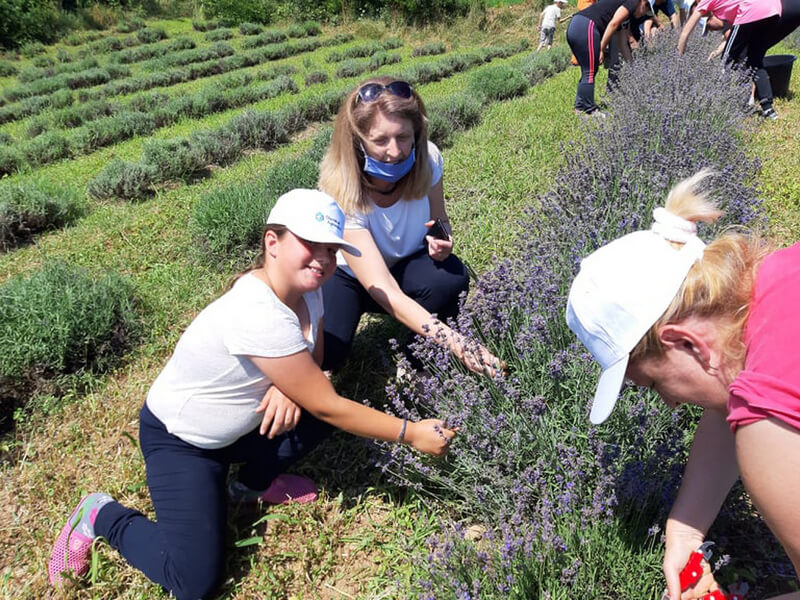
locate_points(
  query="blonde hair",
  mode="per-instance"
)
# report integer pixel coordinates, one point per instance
(341, 174)
(719, 286)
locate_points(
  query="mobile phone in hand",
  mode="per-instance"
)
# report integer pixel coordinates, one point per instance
(437, 230)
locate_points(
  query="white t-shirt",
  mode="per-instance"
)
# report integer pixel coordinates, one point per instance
(550, 15)
(207, 393)
(399, 230)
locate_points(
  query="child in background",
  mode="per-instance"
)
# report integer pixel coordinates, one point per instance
(716, 326)
(551, 15)
(254, 350)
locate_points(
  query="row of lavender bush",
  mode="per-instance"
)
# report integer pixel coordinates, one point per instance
(87, 112)
(182, 66)
(564, 509)
(228, 222)
(254, 131)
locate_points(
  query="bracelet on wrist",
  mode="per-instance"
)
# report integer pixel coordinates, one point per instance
(401, 436)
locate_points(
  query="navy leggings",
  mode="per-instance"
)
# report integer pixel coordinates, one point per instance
(184, 549)
(435, 285)
(747, 45)
(584, 38)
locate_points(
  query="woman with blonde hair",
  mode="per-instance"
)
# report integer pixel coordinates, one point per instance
(715, 326)
(387, 177)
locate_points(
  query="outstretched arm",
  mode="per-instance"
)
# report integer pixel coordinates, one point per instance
(620, 15)
(372, 272)
(299, 377)
(687, 30)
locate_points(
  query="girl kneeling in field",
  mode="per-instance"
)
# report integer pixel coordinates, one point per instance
(716, 326)
(255, 349)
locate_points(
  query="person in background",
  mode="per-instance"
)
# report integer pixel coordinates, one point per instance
(588, 34)
(581, 5)
(641, 29)
(685, 10)
(753, 23)
(242, 386)
(668, 8)
(550, 17)
(387, 177)
(714, 326)
(789, 21)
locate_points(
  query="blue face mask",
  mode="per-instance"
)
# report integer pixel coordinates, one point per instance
(390, 172)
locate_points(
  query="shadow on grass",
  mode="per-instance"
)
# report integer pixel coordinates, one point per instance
(342, 464)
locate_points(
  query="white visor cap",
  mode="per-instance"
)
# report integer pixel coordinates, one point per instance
(313, 216)
(621, 290)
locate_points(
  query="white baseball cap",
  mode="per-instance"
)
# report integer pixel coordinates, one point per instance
(621, 290)
(313, 216)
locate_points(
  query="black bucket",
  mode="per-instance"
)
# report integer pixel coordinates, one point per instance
(779, 69)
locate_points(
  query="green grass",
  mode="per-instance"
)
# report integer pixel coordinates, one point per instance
(500, 3)
(779, 148)
(85, 167)
(497, 169)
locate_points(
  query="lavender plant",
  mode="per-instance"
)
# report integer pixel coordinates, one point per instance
(565, 509)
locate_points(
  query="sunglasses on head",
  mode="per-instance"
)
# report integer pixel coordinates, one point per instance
(372, 91)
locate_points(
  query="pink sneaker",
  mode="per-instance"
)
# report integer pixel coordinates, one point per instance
(73, 545)
(284, 489)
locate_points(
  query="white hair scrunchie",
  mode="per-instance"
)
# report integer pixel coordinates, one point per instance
(672, 227)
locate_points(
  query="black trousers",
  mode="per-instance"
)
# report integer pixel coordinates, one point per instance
(184, 549)
(583, 38)
(747, 46)
(789, 21)
(435, 285)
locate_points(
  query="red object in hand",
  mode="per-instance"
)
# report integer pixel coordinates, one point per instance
(693, 570)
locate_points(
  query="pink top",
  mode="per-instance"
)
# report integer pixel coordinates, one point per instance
(769, 384)
(739, 12)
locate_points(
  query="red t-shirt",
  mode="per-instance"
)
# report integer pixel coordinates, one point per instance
(769, 384)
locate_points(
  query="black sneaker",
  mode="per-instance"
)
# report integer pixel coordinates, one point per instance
(769, 113)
